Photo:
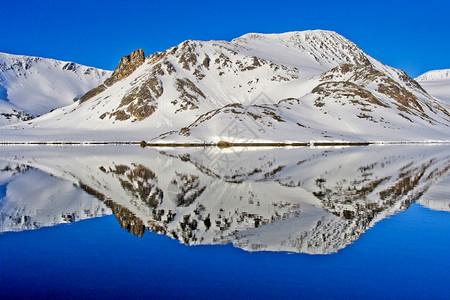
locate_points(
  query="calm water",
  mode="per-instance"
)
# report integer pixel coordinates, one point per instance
(116, 222)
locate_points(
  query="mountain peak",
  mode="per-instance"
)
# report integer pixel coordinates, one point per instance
(287, 35)
(434, 75)
(437, 84)
(31, 86)
(327, 48)
(127, 65)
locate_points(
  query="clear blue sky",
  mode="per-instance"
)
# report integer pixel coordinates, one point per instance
(411, 35)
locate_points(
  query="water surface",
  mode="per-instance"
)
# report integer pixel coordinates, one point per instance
(225, 223)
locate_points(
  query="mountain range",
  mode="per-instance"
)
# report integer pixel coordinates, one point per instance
(32, 86)
(290, 87)
(436, 83)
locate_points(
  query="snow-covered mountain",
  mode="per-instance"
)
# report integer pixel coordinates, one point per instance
(434, 75)
(437, 196)
(35, 199)
(311, 200)
(437, 84)
(296, 86)
(31, 86)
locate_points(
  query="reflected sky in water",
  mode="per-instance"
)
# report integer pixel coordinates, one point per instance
(404, 256)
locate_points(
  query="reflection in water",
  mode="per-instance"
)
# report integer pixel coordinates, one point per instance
(310, 200)
(34, 199)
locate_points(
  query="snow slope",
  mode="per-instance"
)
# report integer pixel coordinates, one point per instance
(437, 84)
(310, 200)
(35, 199)
(438, 197)
(296, 86)
(31, 86)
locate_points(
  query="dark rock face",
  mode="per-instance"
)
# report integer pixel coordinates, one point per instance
(70, 66)
(16, 114)
(127, 65)
(92, 93)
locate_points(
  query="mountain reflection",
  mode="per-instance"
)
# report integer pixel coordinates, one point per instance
(309, 200)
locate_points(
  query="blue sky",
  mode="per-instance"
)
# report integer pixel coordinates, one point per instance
(411, 35)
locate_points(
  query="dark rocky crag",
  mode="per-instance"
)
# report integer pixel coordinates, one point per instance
(127, 65)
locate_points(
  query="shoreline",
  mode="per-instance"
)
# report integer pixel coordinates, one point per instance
(224, 144)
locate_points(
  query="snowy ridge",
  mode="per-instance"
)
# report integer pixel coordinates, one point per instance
(35, 199)
(437, 84)
(258, 199)
(437, 196)
(313, 51)
(297, 86)
(434, 75)
(31, 86)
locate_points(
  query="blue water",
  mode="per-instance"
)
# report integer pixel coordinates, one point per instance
(2, 191)
(3, 93)
(404, 257)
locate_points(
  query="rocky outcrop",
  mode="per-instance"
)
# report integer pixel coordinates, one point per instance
(127, 65)
(92, 93)
(15, 114)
